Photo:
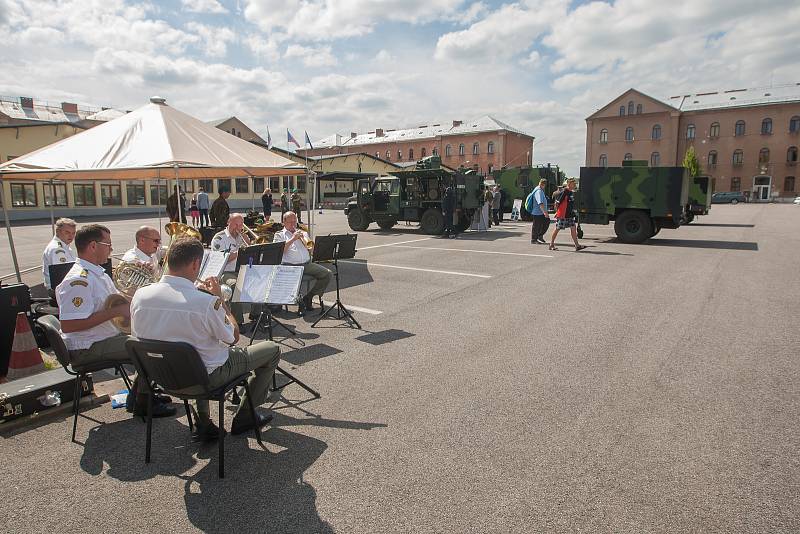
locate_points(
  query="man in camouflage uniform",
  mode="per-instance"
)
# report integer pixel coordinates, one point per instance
(297, 205)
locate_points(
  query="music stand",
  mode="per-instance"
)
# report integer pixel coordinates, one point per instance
(263, 254)
(336, 247)
(57, 272)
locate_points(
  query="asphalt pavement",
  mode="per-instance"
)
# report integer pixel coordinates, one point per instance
(496, 386)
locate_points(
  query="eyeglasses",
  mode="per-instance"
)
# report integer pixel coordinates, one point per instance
(103, 243)
(155, 240)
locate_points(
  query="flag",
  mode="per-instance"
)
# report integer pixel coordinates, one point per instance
(269, 139)
(290, 139)
(308, 141)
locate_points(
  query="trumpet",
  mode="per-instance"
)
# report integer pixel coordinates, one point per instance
(309, 243)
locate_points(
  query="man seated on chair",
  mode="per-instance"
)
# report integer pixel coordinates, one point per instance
(57, 249)
(296, 253)
(230, 240)
(148, 241)
(174, 309)
(86, 326)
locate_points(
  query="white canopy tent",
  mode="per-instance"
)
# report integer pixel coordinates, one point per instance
(153, 142)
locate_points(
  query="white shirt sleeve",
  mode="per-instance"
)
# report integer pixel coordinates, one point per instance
(74, 299)
(219, 327)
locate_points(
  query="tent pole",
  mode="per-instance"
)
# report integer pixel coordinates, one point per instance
(10, 237)
(178, 194)
(158, 199)
(52, 201)
(253, 192)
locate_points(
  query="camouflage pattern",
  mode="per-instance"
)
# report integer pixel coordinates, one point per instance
(518, 182)
(699, 196)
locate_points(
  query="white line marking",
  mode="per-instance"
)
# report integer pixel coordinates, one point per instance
(356, 308)
(392, 244)
(370, 264)
(478, 251)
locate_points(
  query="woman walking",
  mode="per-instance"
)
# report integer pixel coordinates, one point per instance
(565, 215)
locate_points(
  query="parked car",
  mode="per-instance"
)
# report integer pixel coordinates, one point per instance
(797, 200)
(728, 197)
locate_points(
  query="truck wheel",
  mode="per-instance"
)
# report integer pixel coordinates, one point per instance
(432, 222)
(357, 220)
(386, 225)
(633, 226)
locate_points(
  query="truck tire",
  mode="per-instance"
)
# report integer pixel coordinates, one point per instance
(386, 224)
(633, 226)
(432, 222)
(656, 229)
(357, 220)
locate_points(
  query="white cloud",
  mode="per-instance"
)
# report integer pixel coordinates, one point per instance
(203, 6)
(215, 39)
(263, 48)
(311, 57)
(534, 59)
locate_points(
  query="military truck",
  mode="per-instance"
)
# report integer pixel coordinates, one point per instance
(699, 199)
(639, 199)
(415, 195)
(518, 182)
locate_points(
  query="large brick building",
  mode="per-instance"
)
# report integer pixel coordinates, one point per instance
(484, 144)
(745, 139)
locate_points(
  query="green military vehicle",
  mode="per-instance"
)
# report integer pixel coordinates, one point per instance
(639, 199)
(415, 195)
(518, 182)
(699, 199)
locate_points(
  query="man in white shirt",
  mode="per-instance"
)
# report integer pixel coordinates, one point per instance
(230, 240)
(58, 249)
(148, 241)
(174, 309)
(203, 205)
(296, 253)
(86, 326)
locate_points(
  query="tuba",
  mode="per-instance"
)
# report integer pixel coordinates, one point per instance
(128, 277)
(175, 231)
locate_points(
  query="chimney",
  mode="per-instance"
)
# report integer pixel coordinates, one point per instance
(353, 135)
(68, 107)
(457, 123)
(378, 132)
(26, 102)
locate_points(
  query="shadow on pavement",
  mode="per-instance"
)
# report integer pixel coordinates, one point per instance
(702, 243)
(723, 225)
(352, 273)
(385, 336)
(309, 354)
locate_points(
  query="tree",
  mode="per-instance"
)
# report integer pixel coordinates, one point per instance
(691, 163)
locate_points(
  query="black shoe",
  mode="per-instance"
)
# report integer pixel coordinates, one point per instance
(159, 409)
(308, 303)
(541, 241)
(206, 431)
(243, 423)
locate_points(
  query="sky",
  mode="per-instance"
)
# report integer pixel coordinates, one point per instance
(341, 66)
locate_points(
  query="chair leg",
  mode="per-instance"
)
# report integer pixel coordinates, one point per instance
(149, 425)
(252, 412)
(125, 378)
(222, 437)
(188, 414)
(76, 401)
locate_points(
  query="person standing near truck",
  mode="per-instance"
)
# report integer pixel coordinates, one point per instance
(536, 204)
(448, 210)
(565, 215)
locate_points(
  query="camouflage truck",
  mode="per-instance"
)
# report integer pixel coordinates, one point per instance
(699, 199)
(639, 199)
(415, 195)
(518, 182)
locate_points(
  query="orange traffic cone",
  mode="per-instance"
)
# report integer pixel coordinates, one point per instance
(25, 357)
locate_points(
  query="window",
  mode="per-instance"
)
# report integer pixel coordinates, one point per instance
(84, 194)
(242, 185)
(690, 129)
(475, 149)
(791, 154)
(239, 134)
(275, 184)
(763, 155)
(301, 183)
(604, 136)
(766, 127)
(655, 159)
(399, 155)
(435, 151)
(788, 184)
(461, 149)
(603, 160)
(713, 131)
(490, 147)
(628, 157)
(224, 184)
(622, 111)
(158, 194)
(629, 134)
(23, 195)
(207, 185)
(388, 155)
(630, 107)
(736, 184)
(187, 186)
(794, 124)
(287, 182)
(410, 153)
(739, 129)
(656, 135)
(738, 157)
(448, 151)
(135, 193)
(60, 191)
(111, 194)
(712, 157)
(423, 152)
(258, 184)
(638, 109)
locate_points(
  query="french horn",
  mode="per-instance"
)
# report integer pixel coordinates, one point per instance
(128, 277)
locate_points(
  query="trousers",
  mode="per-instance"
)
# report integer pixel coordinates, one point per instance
(539, 228)
(321, 276)
(109, 349)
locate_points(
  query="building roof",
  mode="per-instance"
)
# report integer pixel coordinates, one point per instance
(220, 121)
(50, 112)
(481, 124)
(756, 96)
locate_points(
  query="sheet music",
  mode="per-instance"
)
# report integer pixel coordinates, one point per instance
(285, 285)
(214, 262)
(273, 284)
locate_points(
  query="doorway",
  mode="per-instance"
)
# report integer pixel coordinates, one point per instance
(761, 188)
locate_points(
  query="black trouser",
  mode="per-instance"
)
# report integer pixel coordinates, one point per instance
(540, 224)
(449, 227)
(204, 217)
(496, 216)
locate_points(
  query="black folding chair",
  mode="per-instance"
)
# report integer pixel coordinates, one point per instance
(175, 368)
(52, 329)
